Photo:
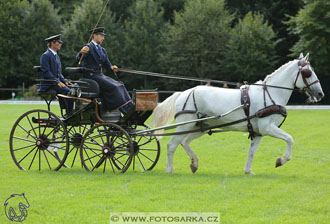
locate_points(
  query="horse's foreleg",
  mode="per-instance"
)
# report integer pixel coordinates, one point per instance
(171, 147)
(190, 152)
(276, 132)
(252, 150)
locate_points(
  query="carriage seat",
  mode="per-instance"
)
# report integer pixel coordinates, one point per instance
(37, 68)
(90, 88)
(49, 93)
(71, 70)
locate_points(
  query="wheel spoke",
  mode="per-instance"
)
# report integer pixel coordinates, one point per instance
(113, 169)
(146, 157)
(122, 150)
(93, 148)
(45, 127)
(23, 139)
(100, 132)
(39, 122)
(52, 130)
(53, 156)
(39, 160)
(29, 134)
(27, 155)
(24, 147)
(74, 158)
(47, 160)
(94, 156)
(150, 149)
(117, 159)
(89, 159)
(141, 162)
(31, 125)
(105, 164)
(33, 158)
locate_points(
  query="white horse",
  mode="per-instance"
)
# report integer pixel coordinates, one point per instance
(213, 101)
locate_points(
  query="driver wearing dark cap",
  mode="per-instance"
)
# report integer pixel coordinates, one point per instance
(50, 65)
(94, 59)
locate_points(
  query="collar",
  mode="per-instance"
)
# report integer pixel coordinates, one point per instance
(54, 53)
(95, 43)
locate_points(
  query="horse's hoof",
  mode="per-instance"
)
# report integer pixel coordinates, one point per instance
(170, 171)
(193, 168)
(249, 172)
(278, 162)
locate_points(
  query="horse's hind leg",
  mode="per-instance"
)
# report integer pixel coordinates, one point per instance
(189, 151)
(171, 147)
(252, 150)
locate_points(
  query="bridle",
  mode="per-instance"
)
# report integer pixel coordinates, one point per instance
(305, 73)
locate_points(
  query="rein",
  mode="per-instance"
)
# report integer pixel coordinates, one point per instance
(154, 74)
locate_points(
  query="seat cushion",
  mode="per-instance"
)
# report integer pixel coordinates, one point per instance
(89, 88)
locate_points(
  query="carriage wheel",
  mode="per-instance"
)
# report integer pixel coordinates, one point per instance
(146, 151)
(76, 134)
(39, 140)
(106, 146)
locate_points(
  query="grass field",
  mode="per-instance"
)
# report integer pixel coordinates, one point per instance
(298, 192)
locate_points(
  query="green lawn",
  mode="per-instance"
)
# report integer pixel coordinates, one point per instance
(298, 192)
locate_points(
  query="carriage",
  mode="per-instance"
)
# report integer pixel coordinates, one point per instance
(103, 137)
(105, 140)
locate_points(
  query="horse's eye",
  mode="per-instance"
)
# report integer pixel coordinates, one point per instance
(306, 73)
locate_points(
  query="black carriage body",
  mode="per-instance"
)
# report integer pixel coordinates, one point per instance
(102, 137)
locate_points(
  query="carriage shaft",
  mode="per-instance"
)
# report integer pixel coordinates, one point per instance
(187, 122)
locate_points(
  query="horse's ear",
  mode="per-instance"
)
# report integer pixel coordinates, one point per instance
(307, 56)
(301, 56)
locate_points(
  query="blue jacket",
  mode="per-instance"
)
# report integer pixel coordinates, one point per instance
(50, 69)
(93, 62)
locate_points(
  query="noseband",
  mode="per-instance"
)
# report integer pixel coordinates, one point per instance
(305, 73)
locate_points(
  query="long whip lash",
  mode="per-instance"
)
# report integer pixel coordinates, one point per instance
(97, 23)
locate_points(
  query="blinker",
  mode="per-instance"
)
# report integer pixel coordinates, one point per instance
(306, 73)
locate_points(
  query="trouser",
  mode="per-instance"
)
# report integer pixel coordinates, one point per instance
(65, 103)
(124, 109)
(114, 92)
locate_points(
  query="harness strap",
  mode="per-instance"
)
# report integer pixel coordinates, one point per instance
(273, 109)
(184, 111)
(245, 100)
(266, 91)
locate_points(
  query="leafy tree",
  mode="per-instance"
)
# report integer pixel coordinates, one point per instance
(312, 25)
(65, 8)
(76, 31)
(170, 6)
(121, 8)
(142, 39)
(24, 27)
(250, 53)
(275, 12)
(195, 43)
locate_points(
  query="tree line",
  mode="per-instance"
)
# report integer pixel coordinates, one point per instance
(216, 39)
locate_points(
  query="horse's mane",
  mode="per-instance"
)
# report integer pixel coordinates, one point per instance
(277, 70)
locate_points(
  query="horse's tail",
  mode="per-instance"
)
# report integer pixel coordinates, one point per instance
(164, 112)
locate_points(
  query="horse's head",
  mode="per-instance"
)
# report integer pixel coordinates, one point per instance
(307, 81)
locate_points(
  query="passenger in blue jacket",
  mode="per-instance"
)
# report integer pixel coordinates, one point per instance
(50, 65)
(94, 59)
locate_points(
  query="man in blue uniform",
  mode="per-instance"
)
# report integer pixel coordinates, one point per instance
(50, 65)
(94, 59)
